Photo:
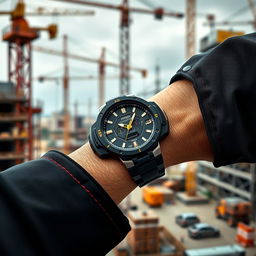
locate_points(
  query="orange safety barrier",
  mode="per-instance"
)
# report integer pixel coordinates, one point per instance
(245, 235)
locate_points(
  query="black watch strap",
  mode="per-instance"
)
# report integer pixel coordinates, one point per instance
(146, 168)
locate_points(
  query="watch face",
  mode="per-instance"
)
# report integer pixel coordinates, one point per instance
(128, 126)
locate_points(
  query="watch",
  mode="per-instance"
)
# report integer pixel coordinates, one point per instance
(130, 128)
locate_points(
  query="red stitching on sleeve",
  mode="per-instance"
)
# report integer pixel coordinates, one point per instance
(86, 189)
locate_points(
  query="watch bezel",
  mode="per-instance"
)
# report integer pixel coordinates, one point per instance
(103, 144)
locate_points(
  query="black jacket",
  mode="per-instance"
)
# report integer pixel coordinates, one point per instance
(52, 206)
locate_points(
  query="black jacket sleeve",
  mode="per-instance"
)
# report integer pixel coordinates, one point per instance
(52, 206)
(225, 82)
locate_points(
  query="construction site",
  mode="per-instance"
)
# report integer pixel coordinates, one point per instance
(61, 60)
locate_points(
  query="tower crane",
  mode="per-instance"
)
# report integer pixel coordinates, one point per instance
(19, 36)
(191, 15)
(252, 6)
(101, 80)
(124, 44)
(218, 36)
(102, 63)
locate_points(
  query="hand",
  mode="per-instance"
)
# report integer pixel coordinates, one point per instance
(123, 125)
(126, 136)
(129, 126)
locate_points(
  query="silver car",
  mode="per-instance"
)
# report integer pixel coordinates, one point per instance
(202, 230)
(187, 219)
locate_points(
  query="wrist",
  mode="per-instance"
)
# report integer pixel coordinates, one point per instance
(110, 173)
(187, 139)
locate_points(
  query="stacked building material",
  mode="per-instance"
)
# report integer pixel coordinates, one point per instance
(152, 196)
(144, 236)
(168, 194)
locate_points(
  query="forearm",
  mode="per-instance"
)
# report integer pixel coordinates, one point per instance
(186, 141)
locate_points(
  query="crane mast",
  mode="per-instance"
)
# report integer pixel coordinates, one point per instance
(253, 9)
(190, 28)
(66, 96)
(124, 49)
(102, 74)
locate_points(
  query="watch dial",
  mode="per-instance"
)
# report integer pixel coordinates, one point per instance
(128, 126)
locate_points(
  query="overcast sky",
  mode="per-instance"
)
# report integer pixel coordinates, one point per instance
(151, 41)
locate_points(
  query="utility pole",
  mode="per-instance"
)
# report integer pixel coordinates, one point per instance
(89, 110)
(157, 81)
(190, 28)
(66, 96)
(76, 115)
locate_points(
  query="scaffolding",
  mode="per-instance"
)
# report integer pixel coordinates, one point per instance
(13, 133)
(16, 96)
(228, 181)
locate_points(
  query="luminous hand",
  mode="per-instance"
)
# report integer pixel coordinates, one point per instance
(123, 125)
(129, 126)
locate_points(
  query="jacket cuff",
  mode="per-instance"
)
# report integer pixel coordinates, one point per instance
(189, 72)
(224, 81)
(90, 187)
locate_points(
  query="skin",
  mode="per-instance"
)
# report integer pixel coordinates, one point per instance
(187, 141)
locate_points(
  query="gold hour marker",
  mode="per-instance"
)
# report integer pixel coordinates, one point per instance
(123, 145)
(133, 109)
(143, 114)
(149, 131)
(109, 131)
(115, 114)
(149, 121)
(123, 110)
(144, 139)
(113, 140)
(110, 122)
(135, 144)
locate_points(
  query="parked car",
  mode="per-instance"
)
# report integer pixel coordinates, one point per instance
(226, 250)
(187, 219)
(202, 230)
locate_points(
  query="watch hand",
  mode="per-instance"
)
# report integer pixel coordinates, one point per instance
(133, 116)
(123, 125)
(129, 126)
(127, 134)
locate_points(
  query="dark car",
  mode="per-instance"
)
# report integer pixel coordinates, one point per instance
(202, 230)
(187, 219)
